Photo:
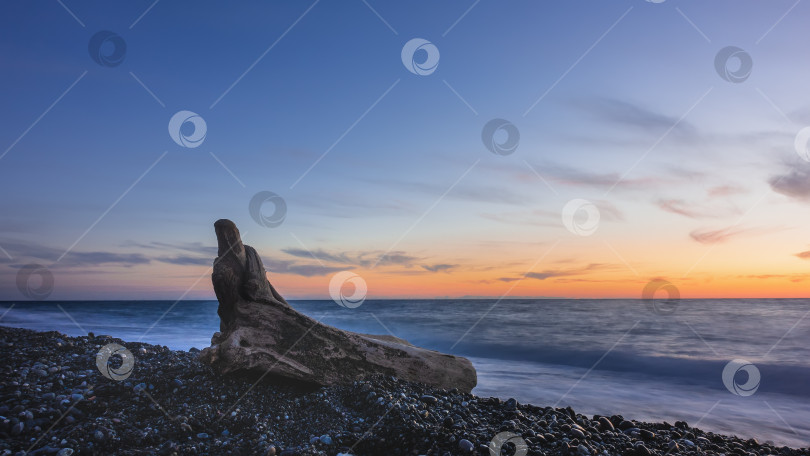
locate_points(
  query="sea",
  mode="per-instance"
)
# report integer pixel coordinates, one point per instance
(731, 366)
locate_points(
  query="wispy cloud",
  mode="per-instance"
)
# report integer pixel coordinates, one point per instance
(310, 270)
(555, 273)
(439, 267)
(803, 255)
(550, 273)
(795, 183)
(706, 236)
(635, 116)
(790, 277)
(276, 266)
(694, 210)
(186, 260)
(365, 258)
(678, 206)
(576, 177)
(715, 236)
(192, 247)
(29, 251)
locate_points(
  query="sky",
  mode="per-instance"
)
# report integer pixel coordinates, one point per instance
(580, 149)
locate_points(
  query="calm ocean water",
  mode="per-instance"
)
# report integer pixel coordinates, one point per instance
(598, 356)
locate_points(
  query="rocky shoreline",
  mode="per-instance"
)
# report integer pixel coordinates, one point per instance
(55, 400)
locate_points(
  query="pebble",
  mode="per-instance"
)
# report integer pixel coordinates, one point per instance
(466, 446)
(687, 442)
(326, 439)
(641, 450)
(428, 399)
(605, 424)
(646, 435)
(65, 452)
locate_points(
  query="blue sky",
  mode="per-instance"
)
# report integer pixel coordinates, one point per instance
(628, 88)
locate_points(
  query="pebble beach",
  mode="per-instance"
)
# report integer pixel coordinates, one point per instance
(55, 400)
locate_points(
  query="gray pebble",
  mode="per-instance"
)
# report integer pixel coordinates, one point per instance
(466, 445)
(605, 424)
(428, 399)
